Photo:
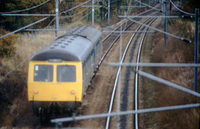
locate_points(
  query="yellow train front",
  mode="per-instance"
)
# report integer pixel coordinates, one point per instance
(60, 73)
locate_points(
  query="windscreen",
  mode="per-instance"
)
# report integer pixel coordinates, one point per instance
(66, 73)
(43, 73)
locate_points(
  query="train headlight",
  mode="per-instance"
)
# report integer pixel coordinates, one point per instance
(73, 91)
(35, 91)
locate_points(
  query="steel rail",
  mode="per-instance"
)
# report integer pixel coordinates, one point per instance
(136, 75)
(107, 49)
(120, 25)
(112, 42)
(117, 76)
(114, 88)
(113, 31)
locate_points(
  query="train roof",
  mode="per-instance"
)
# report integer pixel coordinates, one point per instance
(75, 45)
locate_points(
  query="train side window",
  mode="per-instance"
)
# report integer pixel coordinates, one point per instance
(66, 73)
(43, 73)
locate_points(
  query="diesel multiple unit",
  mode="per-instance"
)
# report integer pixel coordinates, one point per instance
(59, 74)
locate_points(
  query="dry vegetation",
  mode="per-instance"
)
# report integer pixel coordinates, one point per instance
(13, 93)
(175, 52)
(14, 97)
(13, 87)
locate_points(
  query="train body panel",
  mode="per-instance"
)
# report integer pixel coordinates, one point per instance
(48, 81)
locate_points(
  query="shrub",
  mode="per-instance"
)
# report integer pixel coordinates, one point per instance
(7, 43)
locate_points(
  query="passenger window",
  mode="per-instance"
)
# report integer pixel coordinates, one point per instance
(43, 73)
(66, 73)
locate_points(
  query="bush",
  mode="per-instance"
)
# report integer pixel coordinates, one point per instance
(7, 43)
(176, 51)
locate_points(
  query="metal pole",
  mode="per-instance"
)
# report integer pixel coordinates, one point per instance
(92, 12)
(180, 3)
(162, 9)
(108, 12)
(148, 110)
(119, 82)
(165, 27)
(126, 6)
(196, 48)
(170, 8)
(57, 19)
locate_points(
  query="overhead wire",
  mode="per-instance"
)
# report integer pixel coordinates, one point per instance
(180, 9)
(18, 31)
(12, 70)
(34, 24)
(181, 38)
(10, 59)
(29, 14)
(16, 67)
(19, 52)
(80, 18)
(22, 51)
(24, 27)
(74, 7)
(148, 6)
(29, 58)
(75, 14)
(18, 11)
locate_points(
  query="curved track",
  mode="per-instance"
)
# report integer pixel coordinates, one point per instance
(94, 101)
(135, 37)
(100, 92)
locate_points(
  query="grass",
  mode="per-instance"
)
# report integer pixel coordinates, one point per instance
(153, 94)
(175, 51)
(13, 89)
(148, 90)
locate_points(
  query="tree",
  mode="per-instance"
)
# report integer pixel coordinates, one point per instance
(13, 22)
(190, 5)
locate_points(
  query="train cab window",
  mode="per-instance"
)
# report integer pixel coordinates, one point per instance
(43, 73)
(66, 73)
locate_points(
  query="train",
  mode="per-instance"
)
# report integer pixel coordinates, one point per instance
(59, 74)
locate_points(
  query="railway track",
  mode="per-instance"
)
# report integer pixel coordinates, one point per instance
(104, 76)
(110, 39)
(103, 81)
(135, 37)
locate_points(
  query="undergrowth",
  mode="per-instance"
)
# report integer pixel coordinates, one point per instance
(19, 48)
(14, 71)
(176, 51)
